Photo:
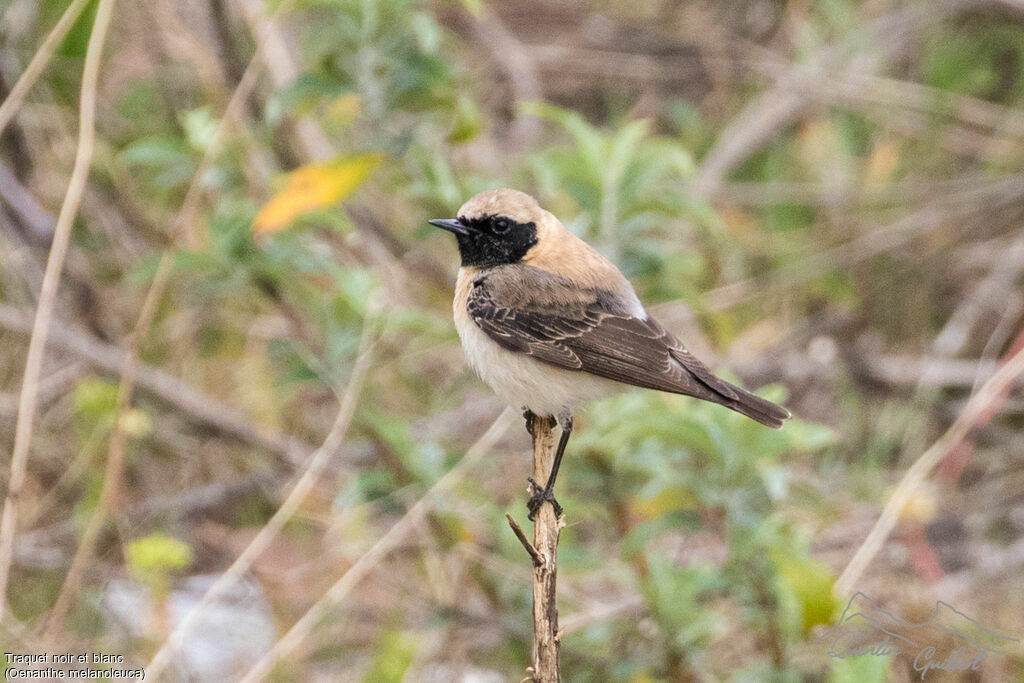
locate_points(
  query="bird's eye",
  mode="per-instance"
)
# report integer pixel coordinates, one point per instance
(501, 225)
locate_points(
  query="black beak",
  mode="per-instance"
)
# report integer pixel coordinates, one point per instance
(451, 225)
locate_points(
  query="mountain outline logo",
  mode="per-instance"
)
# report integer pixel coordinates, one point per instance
(948, 640)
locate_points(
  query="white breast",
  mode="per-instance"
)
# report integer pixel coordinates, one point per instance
(523, 381)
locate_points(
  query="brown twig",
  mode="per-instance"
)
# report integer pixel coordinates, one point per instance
(518, 531)
(369, 560)
(48, 293)
(38, 222)
(514, 59)
(546, 528)
(50, 387)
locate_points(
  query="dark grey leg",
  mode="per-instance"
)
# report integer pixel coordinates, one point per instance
(538, 494)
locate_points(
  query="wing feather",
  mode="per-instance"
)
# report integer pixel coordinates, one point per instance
(594, 331)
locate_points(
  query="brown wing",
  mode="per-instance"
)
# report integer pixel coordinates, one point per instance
(593, 331)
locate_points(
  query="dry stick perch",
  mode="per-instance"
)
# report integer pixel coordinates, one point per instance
(544, 553)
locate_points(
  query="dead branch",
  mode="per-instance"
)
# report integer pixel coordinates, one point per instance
(38, 222)
(546, 529)
(514, 59)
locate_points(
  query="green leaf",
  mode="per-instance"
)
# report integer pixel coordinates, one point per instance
(863, 669)
(95, 398)
(77, 39)
(809, 582)
(674, 595)
(200, 127)
(157, 150)
(154, 559)
(395, 652)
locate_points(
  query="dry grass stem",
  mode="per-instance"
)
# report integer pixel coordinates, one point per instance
(39, 61)
(48, 293)
(384, 545)
(981, 403)
(183, 227)
(313, 469)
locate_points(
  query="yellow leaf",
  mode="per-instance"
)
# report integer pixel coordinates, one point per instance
(313, 187)
(882, 163)
(136, 423)
(921, 506)
(345, 109)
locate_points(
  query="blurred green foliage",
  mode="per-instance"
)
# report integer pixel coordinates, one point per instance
(701, 516)
(154, 560)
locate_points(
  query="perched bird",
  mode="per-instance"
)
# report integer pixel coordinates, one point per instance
(550, 324)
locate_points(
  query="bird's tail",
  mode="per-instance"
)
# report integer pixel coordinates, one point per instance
(755, 407)
(710, 387)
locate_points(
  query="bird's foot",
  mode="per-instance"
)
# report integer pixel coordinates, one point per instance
(538, 496)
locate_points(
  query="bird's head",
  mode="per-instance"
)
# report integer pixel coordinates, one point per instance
(496, 227)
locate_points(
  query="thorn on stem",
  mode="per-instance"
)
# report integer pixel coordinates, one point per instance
(538, 561)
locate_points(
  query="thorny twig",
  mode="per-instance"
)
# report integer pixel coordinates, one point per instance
(518, 531)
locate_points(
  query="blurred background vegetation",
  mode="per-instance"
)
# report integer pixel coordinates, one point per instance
(821, 197)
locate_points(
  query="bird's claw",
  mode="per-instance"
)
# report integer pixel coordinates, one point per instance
(538, 496)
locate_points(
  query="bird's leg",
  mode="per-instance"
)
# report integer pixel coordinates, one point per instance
(537, 494)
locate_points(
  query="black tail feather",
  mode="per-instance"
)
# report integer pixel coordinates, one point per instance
(742, 401)
(708, 386)
(757, 408)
